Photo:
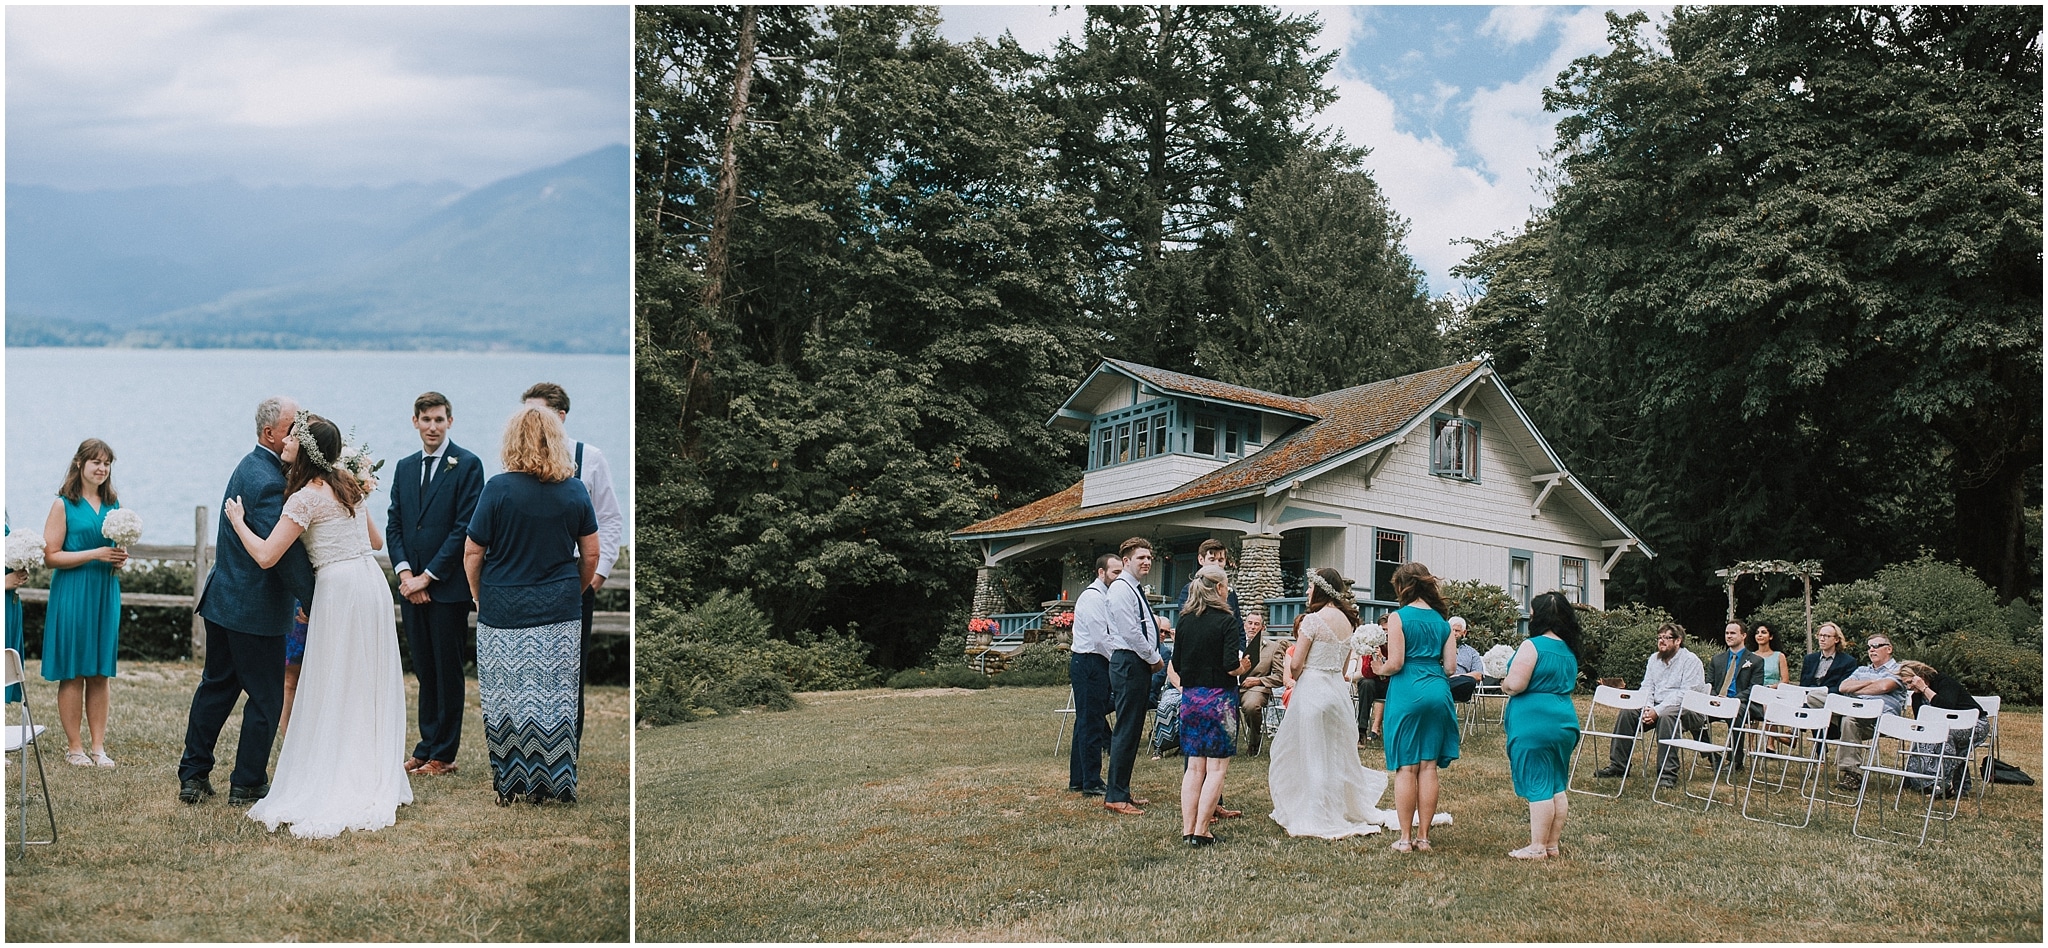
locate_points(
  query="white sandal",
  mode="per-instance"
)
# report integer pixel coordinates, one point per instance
(102, 760)
(77, 759)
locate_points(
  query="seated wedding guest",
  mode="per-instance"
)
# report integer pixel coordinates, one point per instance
(1929, 687)
(1734, 673)
(1541, 725)
(530, 553)
(1671, 671)
(1165, 699)
(1831, 665)
(1775, 669)
(1879, 679)
(1209, 656)
(1372, 698)
(1262, 685)
(1470, 670)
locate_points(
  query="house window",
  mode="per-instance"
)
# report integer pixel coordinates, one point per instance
(1389, 551)
(1123, 442)
(1572, 578)
(1159, 435)
(1454, 447)
(1105, 451)
(1141, 444)
(1521, 565)
(1205, 436)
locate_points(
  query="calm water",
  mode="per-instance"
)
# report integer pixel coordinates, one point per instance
(179, 419)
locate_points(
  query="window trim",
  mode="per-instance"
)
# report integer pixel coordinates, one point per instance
(1469, 471)
(1585, 578)
(1528, 581)
(1407, 548)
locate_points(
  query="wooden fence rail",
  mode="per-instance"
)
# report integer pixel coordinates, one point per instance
(200, 554)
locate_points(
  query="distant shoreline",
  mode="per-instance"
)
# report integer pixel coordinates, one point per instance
(282, 342)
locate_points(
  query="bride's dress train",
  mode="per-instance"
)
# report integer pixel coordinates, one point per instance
(1319, 788)
(342, 767)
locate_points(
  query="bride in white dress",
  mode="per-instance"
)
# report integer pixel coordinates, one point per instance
(1319, 788)
(342, 766)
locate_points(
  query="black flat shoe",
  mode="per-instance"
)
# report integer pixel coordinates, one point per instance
(243, 796)
(1200, 840)
(190, 791)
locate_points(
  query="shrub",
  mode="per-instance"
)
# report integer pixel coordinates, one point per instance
(2024, 619)
(1616, 642)
(704, 661)
(1933, 598)
(944, 676)
(1037, 665)
(1491, 616)
(1987, 666)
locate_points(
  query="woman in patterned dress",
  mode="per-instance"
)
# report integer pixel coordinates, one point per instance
(1421, 724)
(82, 624)
(531, 551)
(1209, 654)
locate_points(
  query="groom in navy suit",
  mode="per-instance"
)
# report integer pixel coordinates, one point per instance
(433, 494)
(248, 610)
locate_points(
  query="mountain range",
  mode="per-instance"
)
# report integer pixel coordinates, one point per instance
(535, 262)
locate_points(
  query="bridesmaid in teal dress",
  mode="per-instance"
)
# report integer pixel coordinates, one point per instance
(83, 621)
(1541, 724)
(14, 632)
(1420, 725)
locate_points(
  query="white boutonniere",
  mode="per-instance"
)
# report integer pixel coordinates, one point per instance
(452, 460)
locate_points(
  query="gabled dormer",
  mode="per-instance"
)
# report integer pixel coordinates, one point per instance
(1151, 430)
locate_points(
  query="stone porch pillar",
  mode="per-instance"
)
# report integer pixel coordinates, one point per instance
(1258, 571)
(987, 601)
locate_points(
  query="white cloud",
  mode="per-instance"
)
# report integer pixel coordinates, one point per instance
(104, 97)
(1515, 25)
(1037, 28)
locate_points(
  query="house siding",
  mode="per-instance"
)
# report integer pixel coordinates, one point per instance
(1140, 478)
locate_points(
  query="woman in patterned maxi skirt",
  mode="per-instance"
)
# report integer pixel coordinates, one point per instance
(532, 550)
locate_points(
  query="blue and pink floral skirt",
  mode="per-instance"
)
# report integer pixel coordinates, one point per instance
(1208, 722)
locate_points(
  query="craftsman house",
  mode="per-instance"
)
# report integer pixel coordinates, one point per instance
(1441, 466)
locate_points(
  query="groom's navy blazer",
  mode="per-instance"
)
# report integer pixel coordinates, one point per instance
(239, 594)
(427, 532)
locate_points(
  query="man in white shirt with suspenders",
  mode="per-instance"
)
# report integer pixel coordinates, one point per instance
(611, 524)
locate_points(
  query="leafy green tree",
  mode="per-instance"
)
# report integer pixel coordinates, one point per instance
(897, 319)
(1316, 292)
(1491, 616)
(1789, 291)
(1167, 116)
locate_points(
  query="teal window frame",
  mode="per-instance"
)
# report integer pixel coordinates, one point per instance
(1467, 468)
(1528, 561)
(1383, 569)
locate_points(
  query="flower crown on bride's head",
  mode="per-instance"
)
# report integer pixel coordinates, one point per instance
(1330, 591)
(303, 433)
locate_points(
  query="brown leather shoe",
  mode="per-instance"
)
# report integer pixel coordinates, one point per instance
(436, 768)
(1123, 808)
(414, 763)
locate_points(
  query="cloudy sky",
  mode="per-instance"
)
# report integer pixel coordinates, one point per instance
(104, 97)
(1449, 99)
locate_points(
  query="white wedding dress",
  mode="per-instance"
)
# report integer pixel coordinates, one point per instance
(343, 763)
(1319, 788)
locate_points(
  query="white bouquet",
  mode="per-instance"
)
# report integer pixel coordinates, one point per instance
(1495, 662)
(24, 550)
(357, 461)
(123, 526)
(1368, 637)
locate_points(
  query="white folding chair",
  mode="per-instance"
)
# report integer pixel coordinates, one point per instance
(1487, 706)
(1066, 720)
(1809, 727)
(1845, 709)
(1906, 732)
(1713, 708)
(1982, 773)
(1618, 701)
(1954, 720)
(21, 737)
(1761, 700)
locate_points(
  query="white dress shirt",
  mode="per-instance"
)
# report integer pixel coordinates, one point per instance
(1667, 682)
(611, 524)
(1091, 620)
(1130, 620)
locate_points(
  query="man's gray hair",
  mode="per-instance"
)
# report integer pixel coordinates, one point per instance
(269, 410)
(1459, 620)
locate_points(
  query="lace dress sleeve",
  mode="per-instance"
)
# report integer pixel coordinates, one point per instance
(301, 506)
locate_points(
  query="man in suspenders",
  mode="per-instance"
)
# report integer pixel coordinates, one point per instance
(1088, 667)
(611, 523)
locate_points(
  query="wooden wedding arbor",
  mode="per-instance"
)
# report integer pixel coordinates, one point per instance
(1806, 570)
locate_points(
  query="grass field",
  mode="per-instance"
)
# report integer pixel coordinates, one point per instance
(134, 864)
(939, 815)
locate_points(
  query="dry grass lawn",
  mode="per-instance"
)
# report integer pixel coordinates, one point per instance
(939, 815)
(134, 864)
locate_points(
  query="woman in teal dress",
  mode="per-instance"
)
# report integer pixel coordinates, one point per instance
(1420, 725)
(83, 621)
(1541, 724)
(14, 634)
